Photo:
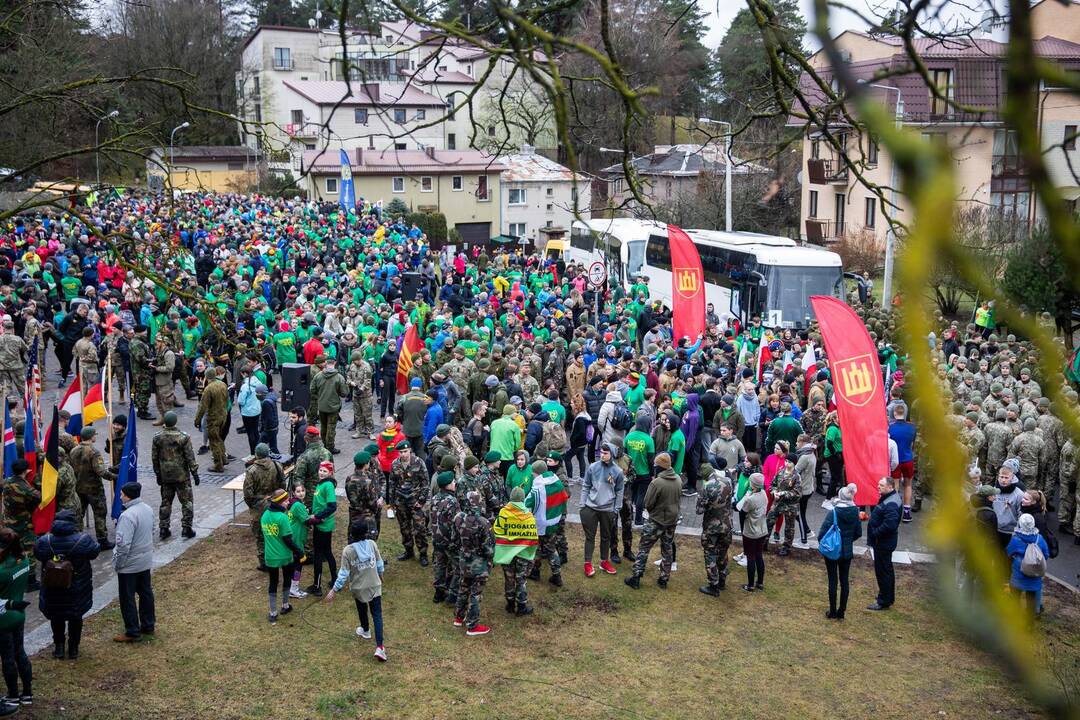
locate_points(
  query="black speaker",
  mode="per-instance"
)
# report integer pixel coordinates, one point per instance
(294, 385)
(411, 282)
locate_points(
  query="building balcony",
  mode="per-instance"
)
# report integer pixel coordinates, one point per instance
(823, 232)
(826, 172)
(303, 130)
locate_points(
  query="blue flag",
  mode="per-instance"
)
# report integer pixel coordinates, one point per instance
(346, 193)
(129, 463)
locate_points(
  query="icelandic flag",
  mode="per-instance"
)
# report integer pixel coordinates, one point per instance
(10, 453)
(347, 193)
(129, 466)
(72, 402)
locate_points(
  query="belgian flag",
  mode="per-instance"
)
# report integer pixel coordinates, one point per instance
(46, 510)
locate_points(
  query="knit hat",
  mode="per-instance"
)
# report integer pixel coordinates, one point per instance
(509, 410)
(491, 381)
(361, 458)
(847, 492)
(471, 462)
(492, 456)
(663, 460)
(1029, 424)
(539, 467)
(757, 482)
(442, 430)
(448, 462)
(262, 450)
(517, 494)
(444, 478)
(987, 491)
(1026, 525)
(278, 496)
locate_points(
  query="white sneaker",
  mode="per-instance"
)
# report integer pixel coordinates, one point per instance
(811, 534)
(740, 559)
(296, 592)
(380, 653)
(361, 632)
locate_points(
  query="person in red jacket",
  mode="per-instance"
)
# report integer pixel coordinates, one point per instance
(313, 347)
(387, 442)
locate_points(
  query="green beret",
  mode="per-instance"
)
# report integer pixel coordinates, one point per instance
(554, 455)
(492, 456)
(372, 449)
(442, 429)
(996, 387)
(361, 458)
(262, 450)
(403, 445)
(170, 419)
(972, 416)
(444, 478)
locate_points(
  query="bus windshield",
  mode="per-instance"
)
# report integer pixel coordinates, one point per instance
(790, 288)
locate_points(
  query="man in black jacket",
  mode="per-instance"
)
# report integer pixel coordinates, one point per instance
(881, 534)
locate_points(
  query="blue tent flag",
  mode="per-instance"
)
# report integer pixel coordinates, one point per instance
(129, 463)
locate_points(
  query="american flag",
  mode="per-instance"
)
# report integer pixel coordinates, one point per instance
(33, 380)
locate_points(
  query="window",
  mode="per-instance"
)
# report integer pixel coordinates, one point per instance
(548, 223)
(815, 149)
(421, 115)
(871, 151)
(258, 113)
(491, 131)
(399, 146)
(309, 146)
(451, 141)
(721, 266)
(282, 59)
(425, 184)
(331, 185)
(942, 82)
(297, 117)
(517, 229)
(573, 193)
(450, 105)
(442, 68)
(360, 116)
(516, 196)
(870, 217)
(256, 91)
(235, 165)
(397, 184)
(482, 188)
(840, 206)
(456, 183)
(550, 192)
(389, 39)
(399, 115)
(550, 207)
(813, 203)
(1069, 142)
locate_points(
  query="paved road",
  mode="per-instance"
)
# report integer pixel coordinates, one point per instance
(213, 507)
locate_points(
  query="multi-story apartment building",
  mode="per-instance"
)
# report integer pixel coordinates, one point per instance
(404, 87)
(968, 71)
(540, 197)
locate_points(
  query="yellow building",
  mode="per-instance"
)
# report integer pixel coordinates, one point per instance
(220, 168)
(968, 71)
(464, 185)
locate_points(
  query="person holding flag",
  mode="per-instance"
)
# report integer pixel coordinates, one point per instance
(90, 476)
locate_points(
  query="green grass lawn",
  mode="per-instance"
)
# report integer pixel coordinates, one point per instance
(594, 649)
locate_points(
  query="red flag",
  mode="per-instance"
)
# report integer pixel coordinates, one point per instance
(687, 286)
(809, 366)
(410, 345)
(859, 395)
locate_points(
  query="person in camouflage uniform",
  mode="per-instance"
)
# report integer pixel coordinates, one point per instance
(443, 510)
(998, 438)
(174, 462)
(477, 550)
(473, 481)
(21, 498)
(359, 375)
(164, 385)
(491, 480)
(409, 492)
(437, 448)
(1068, 490)
(306, 473)
(214, 409)
(1030, 449)
(67, 498)
(261, 479)
(86, 354)
(12, 363)
(141, 374)
(363, 493)
(975, 441)
(786, 494)
(714, 504)
(90, 476)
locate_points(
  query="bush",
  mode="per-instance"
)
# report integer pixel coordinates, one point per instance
(862, 252)
(1036, 278)
(432, 224)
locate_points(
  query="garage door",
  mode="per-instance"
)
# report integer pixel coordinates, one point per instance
(474, 233)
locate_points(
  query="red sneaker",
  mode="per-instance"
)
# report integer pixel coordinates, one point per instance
(589, 572)
(478, 630)
(607, 567)
(458, 622)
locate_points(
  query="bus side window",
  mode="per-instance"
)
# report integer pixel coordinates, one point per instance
(734, 306)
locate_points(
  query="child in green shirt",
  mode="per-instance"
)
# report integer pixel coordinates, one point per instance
(280, 551)
(323, 507)
(298, 515)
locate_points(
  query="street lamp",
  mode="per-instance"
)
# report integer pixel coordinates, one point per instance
(172, 136)
(890, 233)
(97, 150)
(727, 169)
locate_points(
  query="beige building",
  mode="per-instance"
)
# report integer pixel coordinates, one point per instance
(969, 71)
(464, 185)
(220, 168)
(540, 198)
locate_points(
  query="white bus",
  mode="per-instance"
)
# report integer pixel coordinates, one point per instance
(746, 273)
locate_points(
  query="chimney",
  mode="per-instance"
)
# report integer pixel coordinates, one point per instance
(359, 157)
(372, 91)
(429, 150)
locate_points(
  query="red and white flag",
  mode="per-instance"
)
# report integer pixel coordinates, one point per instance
(809, 366)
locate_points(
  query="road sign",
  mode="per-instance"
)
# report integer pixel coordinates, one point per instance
(597, 274)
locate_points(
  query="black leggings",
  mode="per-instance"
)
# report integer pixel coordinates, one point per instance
(286, 580)
(323, 551)
(386, 399)
(836, 473)
(755, 559)
(16, 664)
(639, 486)
(838, 571)
(71, 629)
(579, 454)
(804, 526)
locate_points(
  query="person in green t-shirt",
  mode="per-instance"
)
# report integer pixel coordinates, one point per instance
(323, 507)
(298, 516)
(280, 551)
(640, 451)
(676, 446)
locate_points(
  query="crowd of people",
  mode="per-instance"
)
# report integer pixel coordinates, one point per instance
(518, 396)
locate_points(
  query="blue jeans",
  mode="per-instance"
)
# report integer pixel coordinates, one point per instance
(136, 621)
(375, 605)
